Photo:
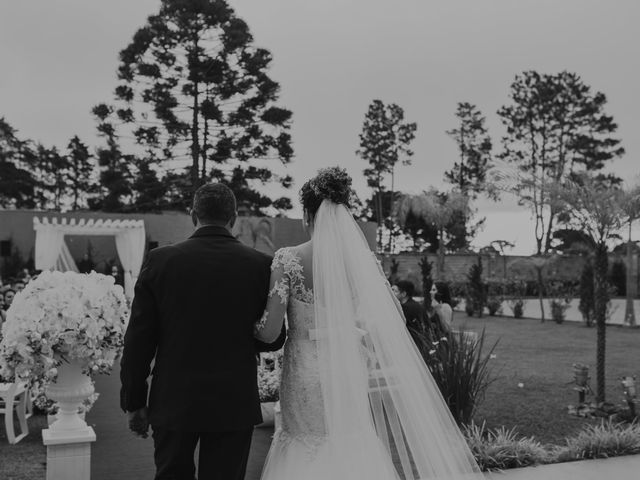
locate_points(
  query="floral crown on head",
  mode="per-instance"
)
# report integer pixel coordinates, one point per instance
(333, 183)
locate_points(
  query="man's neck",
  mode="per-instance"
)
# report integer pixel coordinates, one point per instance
(219, 225)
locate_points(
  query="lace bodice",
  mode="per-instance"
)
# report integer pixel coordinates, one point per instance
(300, 394)
(294, 281)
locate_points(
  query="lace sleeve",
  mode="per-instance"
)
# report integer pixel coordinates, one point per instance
(270, 325)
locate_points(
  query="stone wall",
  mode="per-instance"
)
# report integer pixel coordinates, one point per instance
(497, 267)
(264, 234)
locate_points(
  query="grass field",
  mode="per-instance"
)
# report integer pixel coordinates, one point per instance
(540, 356)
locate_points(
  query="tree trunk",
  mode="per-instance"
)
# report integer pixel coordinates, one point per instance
(540, 293)
(379, 218)
(205, 147)
(195, 147)
(390, 245)
(547, 242)
(630, 315)
(601, 295)
(441, 254)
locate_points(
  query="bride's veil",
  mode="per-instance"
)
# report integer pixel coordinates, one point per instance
(374, 382)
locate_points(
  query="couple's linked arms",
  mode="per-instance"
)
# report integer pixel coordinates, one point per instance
(272, 322)
(270, 328)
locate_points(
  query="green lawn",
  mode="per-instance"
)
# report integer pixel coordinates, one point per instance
(26, 460)
(540, 356)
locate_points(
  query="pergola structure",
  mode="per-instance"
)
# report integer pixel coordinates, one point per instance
(51, 252)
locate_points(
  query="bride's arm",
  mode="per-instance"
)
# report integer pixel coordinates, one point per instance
(269, 327)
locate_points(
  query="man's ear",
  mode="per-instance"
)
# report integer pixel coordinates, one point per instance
(232, 221)
(194, 217)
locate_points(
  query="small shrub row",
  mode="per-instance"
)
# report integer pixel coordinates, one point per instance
(501, 449)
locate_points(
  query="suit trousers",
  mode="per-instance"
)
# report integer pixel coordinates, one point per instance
(223, 455)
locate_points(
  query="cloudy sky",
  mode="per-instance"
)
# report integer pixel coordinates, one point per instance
(332, 58)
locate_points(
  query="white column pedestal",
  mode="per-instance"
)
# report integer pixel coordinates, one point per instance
(68, 453)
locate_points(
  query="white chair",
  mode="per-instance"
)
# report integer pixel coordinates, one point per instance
(14, 397)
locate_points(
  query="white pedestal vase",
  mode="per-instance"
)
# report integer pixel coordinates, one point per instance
(69, 438)
(277, 416)
(52, 417)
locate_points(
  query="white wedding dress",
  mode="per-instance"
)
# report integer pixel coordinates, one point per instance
(357, 400)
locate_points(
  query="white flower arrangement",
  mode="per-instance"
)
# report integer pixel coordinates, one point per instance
(269, 376)
(61, 317)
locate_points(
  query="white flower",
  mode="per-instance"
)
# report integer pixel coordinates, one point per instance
(493, 355)
(75, 315)
(520, 385)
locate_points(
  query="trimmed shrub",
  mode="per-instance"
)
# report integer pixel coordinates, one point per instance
(476, 290)
(606, 440)
(459, 366)
(517, 307)
(558, 309)
(494, 305)
(427, 281)
(587, 294)
(618, 278)
(503, 449)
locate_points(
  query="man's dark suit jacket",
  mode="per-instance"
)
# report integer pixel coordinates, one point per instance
(414, 314)
(195, 306)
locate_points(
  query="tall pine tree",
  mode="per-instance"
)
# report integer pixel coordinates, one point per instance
(17, 158)
(193, 88)
(384, 142)
(557, 128)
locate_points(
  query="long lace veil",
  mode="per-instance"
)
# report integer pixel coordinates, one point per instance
(373, 379)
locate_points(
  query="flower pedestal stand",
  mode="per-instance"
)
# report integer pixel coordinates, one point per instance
(277, 416)
(69, 438)
(268, 414)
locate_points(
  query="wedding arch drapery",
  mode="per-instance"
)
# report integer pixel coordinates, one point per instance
(53, 254)
(130, 246)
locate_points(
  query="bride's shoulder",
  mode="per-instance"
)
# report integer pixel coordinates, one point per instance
(285, 257)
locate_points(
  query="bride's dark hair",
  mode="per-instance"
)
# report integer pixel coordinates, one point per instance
(332, 183)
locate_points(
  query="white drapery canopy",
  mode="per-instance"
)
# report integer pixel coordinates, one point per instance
(52, 253)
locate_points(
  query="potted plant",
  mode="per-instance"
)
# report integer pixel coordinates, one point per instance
(60, 329)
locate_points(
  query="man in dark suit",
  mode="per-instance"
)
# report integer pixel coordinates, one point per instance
(194, 310)
(412, 310)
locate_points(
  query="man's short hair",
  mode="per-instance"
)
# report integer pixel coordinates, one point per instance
(214, 203)
(407, 287)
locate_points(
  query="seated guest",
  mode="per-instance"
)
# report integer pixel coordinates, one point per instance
(85, 265)
(18, 286)
(413, 311)
(115, 273)
(3, 313)
(441, 304)
(7, 299)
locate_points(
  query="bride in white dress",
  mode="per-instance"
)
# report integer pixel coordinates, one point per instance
(357, 400)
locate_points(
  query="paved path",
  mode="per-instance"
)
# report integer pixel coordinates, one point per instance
(117, 454)
(610, 469)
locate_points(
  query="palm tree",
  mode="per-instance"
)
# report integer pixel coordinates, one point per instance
(436, 208)
(597, 211)
(631, 208)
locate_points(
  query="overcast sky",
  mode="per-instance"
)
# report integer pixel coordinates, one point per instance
(332, 58)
